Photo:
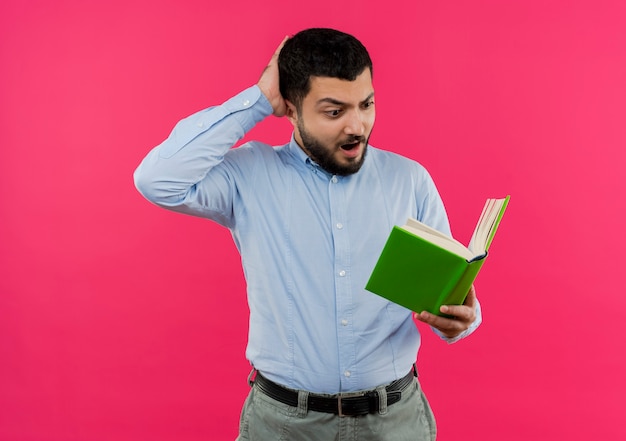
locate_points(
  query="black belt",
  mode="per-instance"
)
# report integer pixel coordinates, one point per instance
(349, 404)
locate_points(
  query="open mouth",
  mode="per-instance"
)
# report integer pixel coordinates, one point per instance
(350, 146)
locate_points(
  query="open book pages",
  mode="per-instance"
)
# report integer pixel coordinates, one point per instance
(481, 238)
(438, 238)
(487, 225)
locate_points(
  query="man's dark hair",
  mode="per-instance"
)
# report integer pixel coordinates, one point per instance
(319, 52)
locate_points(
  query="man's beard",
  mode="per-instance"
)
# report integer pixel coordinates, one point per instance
(323, 155)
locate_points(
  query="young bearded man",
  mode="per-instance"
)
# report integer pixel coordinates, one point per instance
(309, 218)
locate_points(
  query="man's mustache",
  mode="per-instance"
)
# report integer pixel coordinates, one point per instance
(353, 139)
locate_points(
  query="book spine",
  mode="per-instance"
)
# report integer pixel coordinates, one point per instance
(458, 293)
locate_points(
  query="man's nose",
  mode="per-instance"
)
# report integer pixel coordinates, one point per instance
(355, 124)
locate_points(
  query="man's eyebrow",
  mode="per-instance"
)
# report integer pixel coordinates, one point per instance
(330, 101)
(336, 102)
(369, 97)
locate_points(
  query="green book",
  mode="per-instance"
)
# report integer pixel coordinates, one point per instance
(422, 269)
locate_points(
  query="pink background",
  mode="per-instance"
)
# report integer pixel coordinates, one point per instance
(119, 320)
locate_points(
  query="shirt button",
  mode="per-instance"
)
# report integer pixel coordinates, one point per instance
(246, 103)
(333, 179)
(200, 124)
(339, 225)
(342, 273)
(344, 322)
(347, 373)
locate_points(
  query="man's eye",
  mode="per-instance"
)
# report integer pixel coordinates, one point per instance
(335, 112)
(368, 104)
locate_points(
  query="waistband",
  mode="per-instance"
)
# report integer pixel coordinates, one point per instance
(349, 404)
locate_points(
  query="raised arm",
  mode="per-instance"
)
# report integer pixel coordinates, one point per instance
(185, 172)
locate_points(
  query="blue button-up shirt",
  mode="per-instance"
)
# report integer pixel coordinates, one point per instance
(308, 242)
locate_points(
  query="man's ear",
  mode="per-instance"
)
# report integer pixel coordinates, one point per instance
(291, 113)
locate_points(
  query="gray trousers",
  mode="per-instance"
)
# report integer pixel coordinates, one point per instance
(265, 419)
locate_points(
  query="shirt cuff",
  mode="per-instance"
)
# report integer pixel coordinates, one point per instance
(254, 102)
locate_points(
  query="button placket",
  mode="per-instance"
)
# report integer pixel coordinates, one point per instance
(343, 287)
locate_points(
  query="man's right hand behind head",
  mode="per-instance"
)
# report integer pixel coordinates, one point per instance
(269, 85)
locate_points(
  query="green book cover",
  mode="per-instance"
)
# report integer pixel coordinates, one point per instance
(422, 269)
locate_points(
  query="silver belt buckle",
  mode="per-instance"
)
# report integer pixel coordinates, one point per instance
(346, 395)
